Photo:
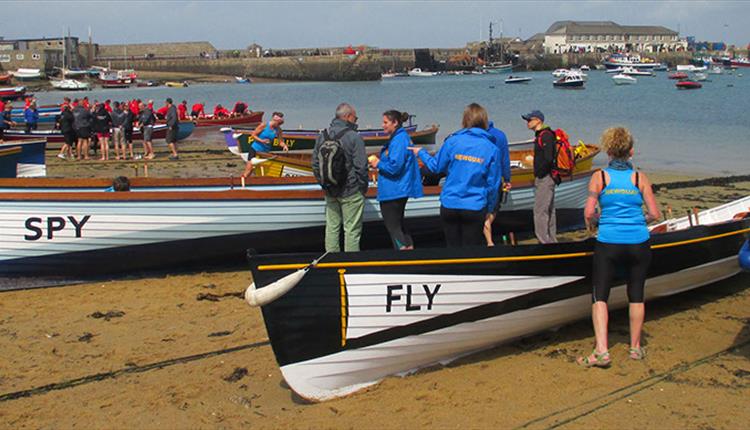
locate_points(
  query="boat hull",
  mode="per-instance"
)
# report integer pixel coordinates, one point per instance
(55, 138)
(182, 228)
(359, 317)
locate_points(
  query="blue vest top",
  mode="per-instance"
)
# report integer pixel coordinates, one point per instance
(622, 220)
(267, 133)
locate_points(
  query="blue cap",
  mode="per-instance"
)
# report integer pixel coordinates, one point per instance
(533, 114)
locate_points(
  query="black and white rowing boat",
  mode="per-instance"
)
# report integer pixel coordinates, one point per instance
(517, 79)
(354, 318)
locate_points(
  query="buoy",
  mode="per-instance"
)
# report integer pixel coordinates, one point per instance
(744, 256)
(263, 296)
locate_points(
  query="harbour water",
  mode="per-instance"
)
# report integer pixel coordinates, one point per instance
(703, 131)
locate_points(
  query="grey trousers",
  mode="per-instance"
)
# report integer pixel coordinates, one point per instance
(545, 224)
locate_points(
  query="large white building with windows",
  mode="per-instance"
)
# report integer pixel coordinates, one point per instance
(607, 36)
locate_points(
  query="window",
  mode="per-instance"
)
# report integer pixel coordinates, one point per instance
(19, 56)
(600, 37)
(4, 58)
(35, 56)
(609, 38)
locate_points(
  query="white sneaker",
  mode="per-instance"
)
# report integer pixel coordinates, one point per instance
(137, 157)
(62, 156)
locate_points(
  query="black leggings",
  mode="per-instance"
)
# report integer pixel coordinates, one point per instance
(630, 261)
(393, 217)
(462, 227)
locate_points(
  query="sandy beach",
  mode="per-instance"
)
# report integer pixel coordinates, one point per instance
(184, 350)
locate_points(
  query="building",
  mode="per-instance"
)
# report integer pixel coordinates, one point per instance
(607, 36)
(44, 54)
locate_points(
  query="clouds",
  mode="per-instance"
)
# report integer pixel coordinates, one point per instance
(394, 24)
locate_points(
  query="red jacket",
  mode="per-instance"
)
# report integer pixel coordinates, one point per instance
(220, 111)
(162, 112)
(181, 111)
(198, 108)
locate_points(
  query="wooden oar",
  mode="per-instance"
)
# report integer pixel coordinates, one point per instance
(276, 289)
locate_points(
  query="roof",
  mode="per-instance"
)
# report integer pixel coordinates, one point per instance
(604, 27)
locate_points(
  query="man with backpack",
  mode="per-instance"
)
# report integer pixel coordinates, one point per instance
(545, 179)
(339, 163)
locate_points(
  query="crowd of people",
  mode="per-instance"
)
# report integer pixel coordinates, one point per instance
(476, 164)
(88, 125)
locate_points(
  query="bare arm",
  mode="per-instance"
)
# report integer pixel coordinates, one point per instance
(282, 144)
(595, 188)
(652, 209)
(258, 130)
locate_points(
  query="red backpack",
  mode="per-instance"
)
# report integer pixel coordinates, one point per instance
(564, 161)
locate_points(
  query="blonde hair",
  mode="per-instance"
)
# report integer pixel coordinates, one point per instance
(618, 142)
(475, 116)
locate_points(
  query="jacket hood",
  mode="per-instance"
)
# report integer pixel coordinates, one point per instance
(338, 124)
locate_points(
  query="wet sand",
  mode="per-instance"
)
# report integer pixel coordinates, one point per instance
(183, 350)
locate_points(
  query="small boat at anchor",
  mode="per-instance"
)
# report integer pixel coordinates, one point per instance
(678, 75)
(342, 322)
(569, 81)
(518, 79)
(420, 73)
(632, 71)
(688, 85)
(623, 79)
(241, 80)
(69, 85)
(12, 93)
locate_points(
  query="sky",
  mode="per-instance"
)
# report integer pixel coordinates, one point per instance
(384, 24)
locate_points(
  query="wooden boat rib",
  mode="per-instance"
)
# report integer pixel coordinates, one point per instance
(175, 227)
(355, 318)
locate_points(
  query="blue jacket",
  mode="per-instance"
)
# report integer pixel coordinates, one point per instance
(470, 160)
(30, 116)
(502, 144)
(398, 170)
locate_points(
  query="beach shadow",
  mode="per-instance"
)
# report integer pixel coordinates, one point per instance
(618, 326)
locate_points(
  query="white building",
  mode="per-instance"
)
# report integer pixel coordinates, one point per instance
(600, 36)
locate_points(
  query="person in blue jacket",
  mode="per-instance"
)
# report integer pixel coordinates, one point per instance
(398, 178)
(470, 159)
(31, 116)
(502, 144)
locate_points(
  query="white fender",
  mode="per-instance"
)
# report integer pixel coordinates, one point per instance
(276, 289)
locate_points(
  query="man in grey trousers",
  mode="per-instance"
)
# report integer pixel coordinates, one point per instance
(545, 224)
(345, 204)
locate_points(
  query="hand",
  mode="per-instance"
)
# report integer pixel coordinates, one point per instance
(414, 149)
(285, 147)
(373, 161)
(507, 186)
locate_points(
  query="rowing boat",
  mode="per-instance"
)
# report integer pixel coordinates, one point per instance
(305, 139)
(30, 162)
(354, 318)
(9, 161)
(63, 227)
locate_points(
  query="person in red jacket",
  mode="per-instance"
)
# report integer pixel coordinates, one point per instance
(135, 108)
(85, 103)
(107, 105)
(182, 111)
(220, 112)
(197, 111)
(161, 113)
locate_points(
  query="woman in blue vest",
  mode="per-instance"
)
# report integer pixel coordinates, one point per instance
(398, 177)
(471, 161)
(622, 245)
(263, 137)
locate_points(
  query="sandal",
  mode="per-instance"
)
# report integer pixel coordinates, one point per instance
(637, 353)
(600, 360)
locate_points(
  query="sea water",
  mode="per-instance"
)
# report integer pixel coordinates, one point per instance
(704, 131)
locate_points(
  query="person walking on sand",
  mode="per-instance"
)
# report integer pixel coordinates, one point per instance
(545, 221)
(146, 121)
(504, 163)
(66, 128)
(398, 178)
(622, 244)
(345, 200)
(471, 162)
(173, 126)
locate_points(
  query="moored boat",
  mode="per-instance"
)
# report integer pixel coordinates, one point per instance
(173, 84)
(700, 77)
(559, 73)
(12, 93)
(632, 71)
(5, 78)
(27, 74)
(517, 79)
(678, 75)
(497, 68)
(688, 85)
(69, 85)
(55, 138)
(351, 319)
(113, 79)
(619, 60)
(9, 161)
(623, 79)
(420, 73)
(241, 80)
(569, 81)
